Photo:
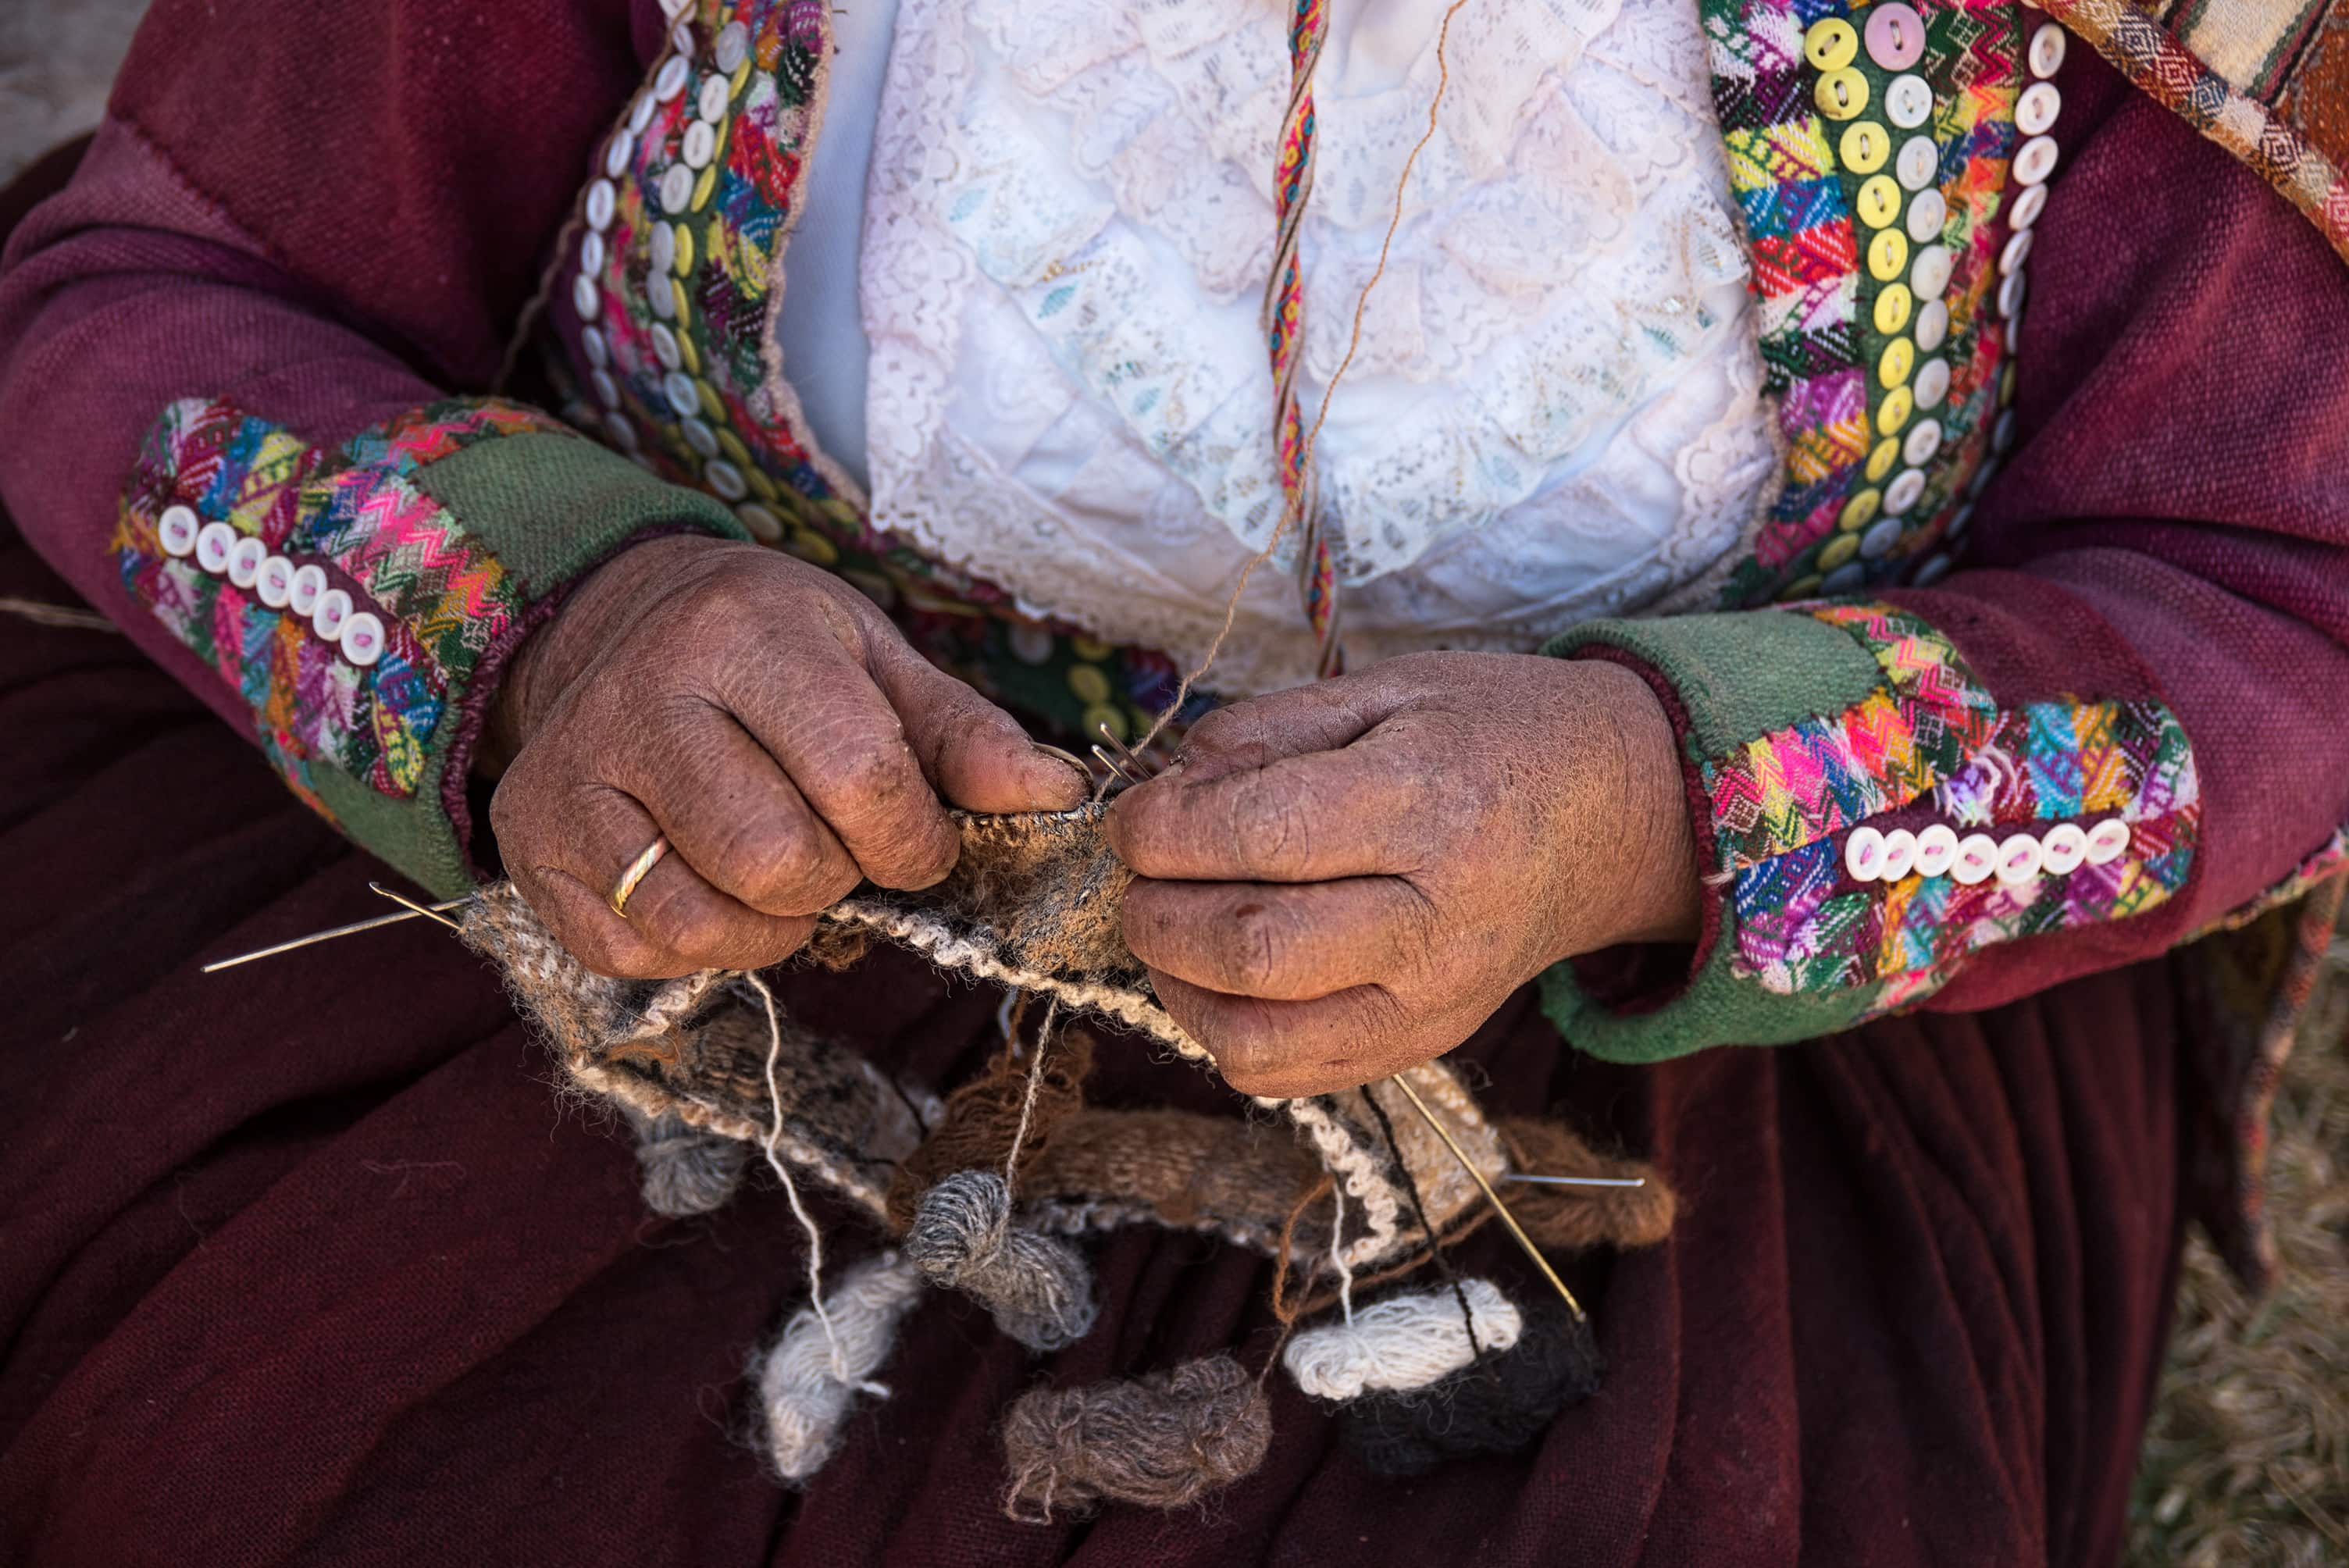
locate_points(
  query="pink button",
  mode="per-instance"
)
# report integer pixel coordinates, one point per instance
(1895, 36)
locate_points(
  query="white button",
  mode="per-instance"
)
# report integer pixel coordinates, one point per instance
(1845, 578)
(2027, 207)
(1919, 163)
(2011, 288)
(699, 436)
(1030, 643)
(1937, 846)
(2035, 110)
(733, 46)
(700, 144)
(598, 346)
(1927, 211)
(2047, 49)
(327, 616)
(2061, 852)
(664, 249)
(1924, 439)
(617, 152)
(1900, 855)
(608, 391)
(677, 188)
(1937, 566)
(1881, 536)
(591, 252)
(663, 297)
(681, 393)
(1902, 492)
(603, 200)
(676, 9)
(274, 584)
(680, 40)
(1908, 102)
(2017, 249)
(665, 349)
(641, 115)
(2036, 162)
(1932, 327)
(725, 478)
(764, 525)
(1977, 857)
(585, 298)
(1932, 383)
(302, 597)
(2018, 859)
(617, 425)
(244, 559)
(2002, 435)
(1928, 275)
(715, 94)
(672, 79)
(177, 528)
(362, 639)
(2108, 841)
(1863, 853)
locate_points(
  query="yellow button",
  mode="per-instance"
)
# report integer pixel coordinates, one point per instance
(808, 545)
(1090, 682)
(1840, 549)
(1831, 44)
(1103, 715)
(1899, 359)
(2006, 384)
(704, 186)
(1865, 147)
(1892, 308)
(1887, 254)
(1879, 200)
(688, 356)
(684, 301)
(1841, 93)
(1893, 413)
(712, 404)
(1860, 511)
(736, 452)
(762, 486)
(684, 249)
(1090, 648)
(1800, 588)
(1881, 460)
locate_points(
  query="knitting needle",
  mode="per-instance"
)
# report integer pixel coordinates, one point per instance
(1576, 1180)
(1133, 762)
(432, 913)
(410, 912)
(1491, 1196)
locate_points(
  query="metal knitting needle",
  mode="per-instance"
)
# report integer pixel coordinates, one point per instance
(410, 912)
(1110, 763)
(432, 913)
(1132, 760)
(1575, 1181)
(1491, 1196)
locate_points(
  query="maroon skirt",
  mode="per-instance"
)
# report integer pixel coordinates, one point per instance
(306, 1262)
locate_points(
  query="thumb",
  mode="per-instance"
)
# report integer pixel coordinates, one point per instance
(974, 754)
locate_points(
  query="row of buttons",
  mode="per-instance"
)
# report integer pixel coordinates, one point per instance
(277, 581)
(1872, 856)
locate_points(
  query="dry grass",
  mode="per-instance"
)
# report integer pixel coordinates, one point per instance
(2248, 1458)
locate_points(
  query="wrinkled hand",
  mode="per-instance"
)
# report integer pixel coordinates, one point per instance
(770, 722)
(1344, 879)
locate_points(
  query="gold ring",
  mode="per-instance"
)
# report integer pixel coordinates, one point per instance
(644, 862)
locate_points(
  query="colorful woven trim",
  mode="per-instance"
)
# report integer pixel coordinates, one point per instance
(2262, 57)
(1931, 745)
(356, 515)
(1823, 305)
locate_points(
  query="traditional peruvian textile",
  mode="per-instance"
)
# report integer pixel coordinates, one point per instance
(304, 526)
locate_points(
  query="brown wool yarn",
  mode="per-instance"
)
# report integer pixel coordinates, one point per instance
(1160, 1441)
(982, 1118)
(1573, 1218)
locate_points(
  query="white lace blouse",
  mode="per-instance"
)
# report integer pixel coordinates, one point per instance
(1058, 378)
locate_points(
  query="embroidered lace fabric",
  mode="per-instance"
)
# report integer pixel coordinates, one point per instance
(1555, 411)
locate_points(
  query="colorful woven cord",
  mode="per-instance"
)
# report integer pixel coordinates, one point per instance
(1284, 326)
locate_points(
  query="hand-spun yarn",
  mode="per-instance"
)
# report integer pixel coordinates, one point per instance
(1159, 1440)
(982, 1117)
(1039, 1287)
(1570, 1219)
(806, 1386)
(1497, 1405)
(684, 1169)
(1403, 1342)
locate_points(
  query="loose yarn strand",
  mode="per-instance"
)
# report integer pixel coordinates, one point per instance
(1035, 1082)
(1313, 437)
(1419, 1212)
(1338, 1253)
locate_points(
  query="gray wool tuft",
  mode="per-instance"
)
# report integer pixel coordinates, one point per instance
(686, 1170)
(1039, 1287)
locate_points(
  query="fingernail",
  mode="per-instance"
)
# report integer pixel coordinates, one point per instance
(1084, 774)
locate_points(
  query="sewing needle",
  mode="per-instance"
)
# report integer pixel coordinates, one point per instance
(1491, 1196)
(410, 912)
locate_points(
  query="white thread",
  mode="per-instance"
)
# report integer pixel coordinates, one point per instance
(1035, 1082)
(1338, 1253)
(1403, 1343)
(790, 1188)
(810, 1377)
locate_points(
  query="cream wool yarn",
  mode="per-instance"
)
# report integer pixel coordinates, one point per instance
(1403, 1342)
(809, 1379)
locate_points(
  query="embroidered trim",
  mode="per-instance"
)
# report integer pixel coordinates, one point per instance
(438, 597)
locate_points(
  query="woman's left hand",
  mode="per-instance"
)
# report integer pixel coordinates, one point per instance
(1340, 880)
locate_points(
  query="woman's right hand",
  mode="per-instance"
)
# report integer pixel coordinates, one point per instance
(770, 722)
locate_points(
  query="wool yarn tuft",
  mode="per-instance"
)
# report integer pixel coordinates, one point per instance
(1572, 1219)
(684, 1170)
(806, 1386)
(1403, 1342)
(1039, 1287)
(1160, 1441)
(982, 1118)
(1497, 1405)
